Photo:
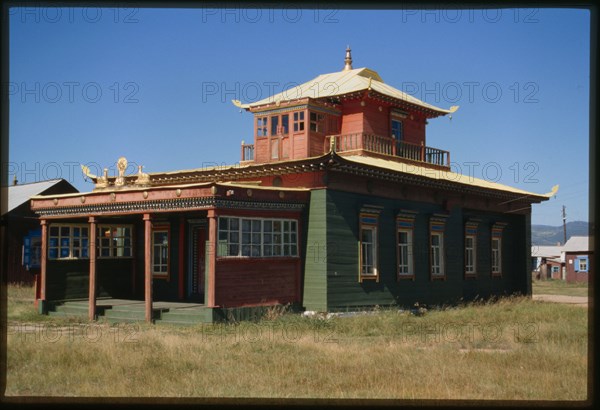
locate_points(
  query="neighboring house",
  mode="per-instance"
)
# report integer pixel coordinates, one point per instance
(24, 227)
(547, 263)
(578, 258)
(338, 204)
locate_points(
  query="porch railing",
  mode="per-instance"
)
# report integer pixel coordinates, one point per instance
(247, 153)
(387, 146)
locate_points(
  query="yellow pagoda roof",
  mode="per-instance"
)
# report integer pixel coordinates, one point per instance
(342, 83)
(444, 175)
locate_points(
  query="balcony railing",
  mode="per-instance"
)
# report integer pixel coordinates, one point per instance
(388, 146)
(247, 153)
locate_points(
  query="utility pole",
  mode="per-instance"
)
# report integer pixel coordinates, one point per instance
(564, 215)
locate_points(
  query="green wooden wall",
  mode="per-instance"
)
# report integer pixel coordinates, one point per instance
(334, 220)
(69, 279)
(315, 260)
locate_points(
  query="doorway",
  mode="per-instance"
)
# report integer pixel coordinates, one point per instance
(197, 260)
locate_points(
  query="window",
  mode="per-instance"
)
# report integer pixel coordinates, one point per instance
(581, 264)
(368, 264)
(299, 121)
(251, 237)
(437, 260)
(496, 256)
(68, 241)
(437, 257)
(279, 124)
(114, 241)
(405, 253)
(368, 244)
(160, 251)
(32, 249)
(261, 126)
(405, 223)
(285, 124)
(470, 250)
(555, 269)
(496, 246)
(229, 236)
(397, 130)
(257, 237)
(317, 122)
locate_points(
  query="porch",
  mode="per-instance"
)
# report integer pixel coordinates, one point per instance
(377, 144)
(387, 146)
(168, 313)
(156, 253)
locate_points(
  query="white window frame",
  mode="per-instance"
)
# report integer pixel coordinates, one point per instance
(405, 268)
(80, 251)
(163, 249)
(437, 270)
(287, 243)
(496, 256)
(366, 247)
(471, 253)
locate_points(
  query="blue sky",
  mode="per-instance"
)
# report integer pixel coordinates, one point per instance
(88, 85)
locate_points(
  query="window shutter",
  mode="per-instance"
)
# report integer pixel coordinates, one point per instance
(577, 264)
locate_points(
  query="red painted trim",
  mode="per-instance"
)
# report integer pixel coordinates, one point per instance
(181, 256)
(212, 257)
(92, 256)
(148, 267)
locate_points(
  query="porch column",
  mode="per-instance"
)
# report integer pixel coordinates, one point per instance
(43, 265)
(92, 254)
(212, 257)
(148, 266)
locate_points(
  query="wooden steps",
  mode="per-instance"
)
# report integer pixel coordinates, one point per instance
(186, 316)
(164, 313)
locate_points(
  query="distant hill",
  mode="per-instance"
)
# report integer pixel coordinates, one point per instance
(550, 235)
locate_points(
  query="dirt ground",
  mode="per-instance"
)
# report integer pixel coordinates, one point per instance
(572, 300)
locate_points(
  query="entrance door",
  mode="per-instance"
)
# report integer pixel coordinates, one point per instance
(397, 134)
(196, 252)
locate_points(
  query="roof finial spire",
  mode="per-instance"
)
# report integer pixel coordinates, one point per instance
(348, 59)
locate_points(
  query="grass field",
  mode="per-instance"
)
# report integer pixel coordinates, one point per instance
(559, 287)
(511, 349)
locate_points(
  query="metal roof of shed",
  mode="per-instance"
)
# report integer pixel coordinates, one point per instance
(577, 244)
(20, 194)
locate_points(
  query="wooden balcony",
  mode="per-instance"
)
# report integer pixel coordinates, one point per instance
(247, 153)
(387, 146)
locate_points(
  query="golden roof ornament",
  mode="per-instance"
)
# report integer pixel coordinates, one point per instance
(143, 179)
(102, 182)
(121, 167)
(348, 60)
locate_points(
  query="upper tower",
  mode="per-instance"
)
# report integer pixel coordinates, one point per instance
(350, 111)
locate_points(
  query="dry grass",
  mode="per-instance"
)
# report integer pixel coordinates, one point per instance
(559, 287)
(511, 349)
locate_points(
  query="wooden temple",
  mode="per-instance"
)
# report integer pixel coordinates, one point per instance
(339, 203)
